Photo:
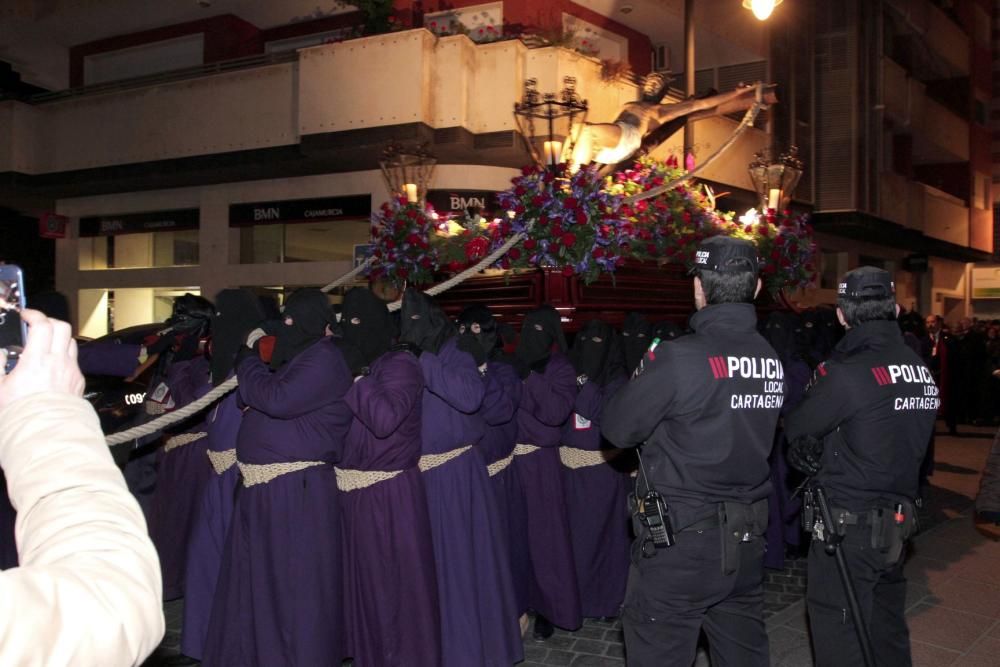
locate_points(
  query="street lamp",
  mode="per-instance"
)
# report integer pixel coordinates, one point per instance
(565, 109)
(408, 171)
(775, 179)
(761, 8)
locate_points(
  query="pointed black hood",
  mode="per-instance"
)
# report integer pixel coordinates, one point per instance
(637, 334)
(542, 329)
(423, 323)
(237, 313)
(366, 326)
(310, 312)
(596, 353)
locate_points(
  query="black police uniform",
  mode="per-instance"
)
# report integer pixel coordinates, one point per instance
(706, 406)
(873, 405)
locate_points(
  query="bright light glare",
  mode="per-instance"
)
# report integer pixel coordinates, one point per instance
(761, 8)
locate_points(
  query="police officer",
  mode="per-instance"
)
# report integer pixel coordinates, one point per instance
(861, 431)
(705, 406)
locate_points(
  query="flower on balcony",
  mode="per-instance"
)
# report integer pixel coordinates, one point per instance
(572, 222)
(402, 243)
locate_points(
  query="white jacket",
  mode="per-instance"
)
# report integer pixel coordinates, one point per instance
(88, 589)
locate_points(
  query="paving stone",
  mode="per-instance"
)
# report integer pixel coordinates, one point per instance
(589, 633)
(615, 651)
(617, 636)
(597, 661)
(560, 658)
(590, 646)
(562, 642)
(535, 652)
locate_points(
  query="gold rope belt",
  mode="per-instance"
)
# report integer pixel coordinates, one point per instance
(254, 473)
(222, 461)
(572, 457)
(154, 408)
(353, 480)
(521, 450)
(497, 466)
(181, 440)
(431, 461)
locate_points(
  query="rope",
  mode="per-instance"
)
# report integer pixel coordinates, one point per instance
(748, 118)
(159, 423)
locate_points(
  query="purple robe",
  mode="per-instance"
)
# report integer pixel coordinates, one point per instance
(479, 618)
(546, 403)
(597, 501)
(278, 600)
(107, 358)
(180, 478)
(499, 412)
(208, 531)
(390, 587)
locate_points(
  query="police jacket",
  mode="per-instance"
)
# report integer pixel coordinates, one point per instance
(706, 406)
(873, 404)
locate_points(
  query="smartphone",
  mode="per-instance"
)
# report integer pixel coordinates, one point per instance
(13, 331)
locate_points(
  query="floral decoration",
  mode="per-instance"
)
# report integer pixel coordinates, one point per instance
(571, 222)
(401, 243)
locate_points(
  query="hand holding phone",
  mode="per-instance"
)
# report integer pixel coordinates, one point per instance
(47, 364)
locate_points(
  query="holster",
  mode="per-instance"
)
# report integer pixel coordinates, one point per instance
(739, 523)
(888, 535)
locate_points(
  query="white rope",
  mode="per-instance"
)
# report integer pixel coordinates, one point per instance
(748, 118)
(158, 424)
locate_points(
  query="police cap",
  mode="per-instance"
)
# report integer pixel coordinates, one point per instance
(866, 281)
(725, 254)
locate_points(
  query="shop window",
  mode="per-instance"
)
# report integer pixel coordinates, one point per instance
(104, 311)
(139, 251)
(327, 241)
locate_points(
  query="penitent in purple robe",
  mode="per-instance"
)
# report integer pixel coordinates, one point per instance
(208, 531)
(278, 600)
(181, 476)
(390, 587)
(479, 619)
(499, 412)
(546, 403)
(597, 500)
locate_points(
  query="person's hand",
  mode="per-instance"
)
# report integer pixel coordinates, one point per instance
(47, 365)
(581, 379)
(806, 455)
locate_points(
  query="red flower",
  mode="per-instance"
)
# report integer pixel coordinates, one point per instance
(520, 191)
(412, 213)
(413, 239)
(528, 170)
(779, 240)
(374, 231)
(581, 216)
(775, 254)
(785, 262)
(642, 206)
(426, 263)
(619, 261)
(504, 263)
(543, 220)
(454, 267)
(402, 272)
(763, 229)
(529, 244)
(538, 200)
(514, 254)
(567, 271)
(476, 248)
(390, 243)
(568, 239)
(645, 234)
(686, 216)
(598, 253)
(400, 225)
(748, 229)
(571, 202)
(651, 249)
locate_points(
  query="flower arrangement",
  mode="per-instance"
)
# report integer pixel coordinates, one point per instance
(571, 222)
(401, 243)
(464, 241)
(671, 225)
(786, 247)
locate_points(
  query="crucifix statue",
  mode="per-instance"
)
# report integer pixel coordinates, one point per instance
(646, 123)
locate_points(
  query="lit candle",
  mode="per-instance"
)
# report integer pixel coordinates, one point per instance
(773, 197)
(553, 151)
(411, 192)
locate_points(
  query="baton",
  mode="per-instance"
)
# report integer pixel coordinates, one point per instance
(832, 548)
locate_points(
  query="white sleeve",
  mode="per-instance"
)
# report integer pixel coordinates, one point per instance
(88, 591)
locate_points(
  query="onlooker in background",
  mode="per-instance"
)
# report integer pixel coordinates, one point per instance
(88, 588)
(938, 361)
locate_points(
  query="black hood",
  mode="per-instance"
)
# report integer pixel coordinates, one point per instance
(780, 332)
(488, 336)
(365, 326)
(667, 330)
(542, 329)
(237, 313)
(423, 323)
(637, 334)
(310, 312)
(191, 315)
(596, 352)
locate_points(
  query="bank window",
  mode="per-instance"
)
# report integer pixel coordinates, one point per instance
(102, 311)
(137, 251)
(326, 241)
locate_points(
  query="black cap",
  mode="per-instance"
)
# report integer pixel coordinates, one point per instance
(725, 254)
(866, 281)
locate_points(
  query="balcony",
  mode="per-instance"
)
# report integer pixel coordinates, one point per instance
(934, 31)
(945, 217)
(347, 98)
(939, 134)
